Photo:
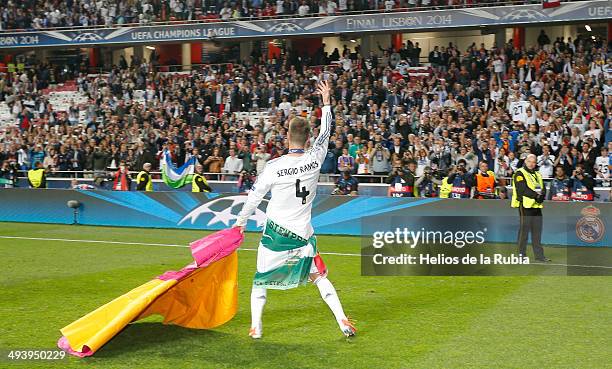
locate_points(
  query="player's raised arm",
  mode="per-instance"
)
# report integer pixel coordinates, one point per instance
(258, 191)
(324, 89)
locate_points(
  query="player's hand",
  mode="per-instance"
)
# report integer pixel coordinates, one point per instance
(241, 228)
(324, 90)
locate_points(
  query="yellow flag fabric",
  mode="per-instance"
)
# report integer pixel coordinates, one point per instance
(201, 298)
(208, 298)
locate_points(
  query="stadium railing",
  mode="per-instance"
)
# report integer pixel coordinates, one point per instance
(214, 19)
(369, 185)
(326, 177)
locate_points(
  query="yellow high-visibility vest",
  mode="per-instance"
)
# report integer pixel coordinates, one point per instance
(35, 176)
(534, 181)
(194, 184)
(445, 188)
(144, 176)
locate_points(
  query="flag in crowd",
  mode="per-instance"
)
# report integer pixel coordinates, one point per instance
(176, 177)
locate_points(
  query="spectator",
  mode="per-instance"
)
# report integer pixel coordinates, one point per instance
(346, 162)
(121, 178)
(546, 162)
(214, 162)
(555, 104)
(232, 166)
(379, 157)
(261, 157)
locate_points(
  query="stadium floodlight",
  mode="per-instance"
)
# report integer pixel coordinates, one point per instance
(74, 205)
(352, 40)
(587, 27)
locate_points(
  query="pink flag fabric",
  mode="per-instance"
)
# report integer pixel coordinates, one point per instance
(216, 246)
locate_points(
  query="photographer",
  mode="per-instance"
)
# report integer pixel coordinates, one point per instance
(346, 185)
(559, 187)
(582, 185)
(246, 181)
(401, 181)
(427, 185)
(462, 181)
(8, 175)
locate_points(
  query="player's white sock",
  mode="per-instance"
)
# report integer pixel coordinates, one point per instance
(258, 301)
(329, 295)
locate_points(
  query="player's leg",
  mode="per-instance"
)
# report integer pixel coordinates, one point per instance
(258, 297)
(258, 301)
(318, 276)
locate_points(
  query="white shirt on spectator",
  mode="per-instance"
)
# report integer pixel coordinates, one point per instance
(546, 163)
(232, 165)
(226, 13)
(498, 64)
(322, 8)
(303, 10)
(496, 95)
(285, 106)
(602, 164)
(536, 88)
(342, 5)
(518, 110)
(331, 7)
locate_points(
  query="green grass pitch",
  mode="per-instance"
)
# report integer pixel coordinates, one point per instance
(402, 322)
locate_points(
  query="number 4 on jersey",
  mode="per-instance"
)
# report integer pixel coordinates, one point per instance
(301, 192)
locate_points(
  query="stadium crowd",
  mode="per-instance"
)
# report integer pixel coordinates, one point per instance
(38, 14)
(478, 113)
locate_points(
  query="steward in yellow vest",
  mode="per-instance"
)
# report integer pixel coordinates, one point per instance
(143, 179)
(199, 183)
(37, 177)
(528, 194)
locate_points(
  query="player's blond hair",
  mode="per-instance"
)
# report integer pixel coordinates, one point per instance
(299, 130)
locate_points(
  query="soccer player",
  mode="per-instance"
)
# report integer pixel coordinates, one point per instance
(287, 255)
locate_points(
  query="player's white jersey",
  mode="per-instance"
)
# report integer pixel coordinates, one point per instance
(293, 182)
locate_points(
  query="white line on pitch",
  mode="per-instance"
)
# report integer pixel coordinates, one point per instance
(243, 248)
(139, 243)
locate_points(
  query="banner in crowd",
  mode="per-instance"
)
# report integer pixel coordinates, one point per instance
(176, 177)
(570, 223)
(341, 24)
